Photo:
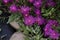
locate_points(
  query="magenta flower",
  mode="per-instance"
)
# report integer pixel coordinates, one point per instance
(40, 20)
(49, 31)
(53, 22)
(6, 1)
(13, 8)
(54, 34)
(37, 3)
(24, 9)
(38, 12)
(30, 20)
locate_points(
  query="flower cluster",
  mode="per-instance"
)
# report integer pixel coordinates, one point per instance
(33, 15)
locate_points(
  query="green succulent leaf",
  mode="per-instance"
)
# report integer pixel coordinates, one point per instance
(0, 12)
(13, 17)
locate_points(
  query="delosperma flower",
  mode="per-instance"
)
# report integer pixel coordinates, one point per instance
(6, 1)
(13, 8)
(30, 20)
(53, 22)
(25, 9)
(37, 12)
(49, 31)
(54, 34)
(37, 3)
(39, 20)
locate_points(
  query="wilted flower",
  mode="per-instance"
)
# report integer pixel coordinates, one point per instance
(17, 0)
(51, 3)
(13, 8)
(31, 1)
(30, 20)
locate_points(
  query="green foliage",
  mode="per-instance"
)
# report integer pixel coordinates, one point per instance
(48, 12)
(58, 16)
(44, 39)
(0, 12)
(31, 32)
(0, 2)
(13, 17)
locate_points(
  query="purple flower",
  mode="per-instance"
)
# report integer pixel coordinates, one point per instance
(53, 22)
(13, 8)
(37, 3)
(30, 20)
(38, 12)
(24, 9)
(39, 20)
(49, 31)
(51, 3)
(54, 34)
(6, 1)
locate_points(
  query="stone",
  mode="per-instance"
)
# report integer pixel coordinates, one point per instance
(17, 36)
(14, 25)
